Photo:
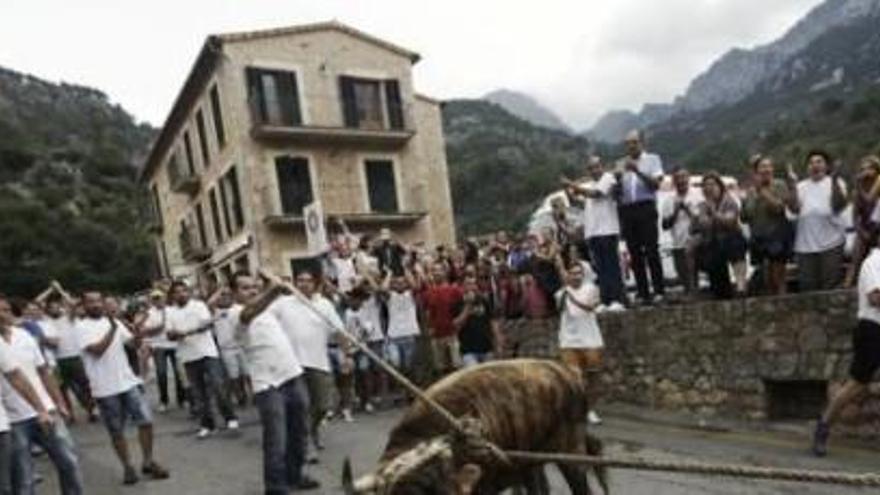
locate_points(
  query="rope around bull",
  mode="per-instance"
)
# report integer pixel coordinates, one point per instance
(632, 462)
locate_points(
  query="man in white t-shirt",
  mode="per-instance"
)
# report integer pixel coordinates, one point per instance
(70, 366)
(164, 351)
(18, 382)
(102, 340)
(189, 323)
(820, 234)
(866, 351)
(363, 320)
(580, 340)
(602, 230)
(344, 267)
(279, 389)
(403, 321)
(310, 328)
(676, 213)
(27, 423)
(226, 322)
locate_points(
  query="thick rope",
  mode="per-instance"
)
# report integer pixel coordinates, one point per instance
(637, 463)
(732, 470)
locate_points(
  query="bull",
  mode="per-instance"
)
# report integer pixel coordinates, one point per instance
(522, 404)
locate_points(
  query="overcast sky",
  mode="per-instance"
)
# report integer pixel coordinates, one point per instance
(578, 57)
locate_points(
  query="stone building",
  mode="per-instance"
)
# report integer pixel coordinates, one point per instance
(270, 121)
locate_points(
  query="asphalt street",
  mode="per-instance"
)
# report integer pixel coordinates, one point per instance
(230, 463)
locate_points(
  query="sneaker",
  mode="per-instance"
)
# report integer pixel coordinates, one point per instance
(820, 438)
(616, 307)
(601, 309)
(204, 433)
(155, 471)
(163, 408)
(232, 424)
(368, 407)
(130, 477)
(658, 299)
(346, 416)
(593, 418)
(306, 483)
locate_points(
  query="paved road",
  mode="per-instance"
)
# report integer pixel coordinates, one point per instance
(230, 464)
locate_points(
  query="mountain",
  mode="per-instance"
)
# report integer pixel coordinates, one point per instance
(526, 108)
(67, 183)
(501, 167)
(740, 72)
(825, 95)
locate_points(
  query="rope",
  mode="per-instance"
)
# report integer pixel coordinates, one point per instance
(732, 470)
(636, 463)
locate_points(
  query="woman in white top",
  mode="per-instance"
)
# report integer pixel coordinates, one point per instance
(817, 203)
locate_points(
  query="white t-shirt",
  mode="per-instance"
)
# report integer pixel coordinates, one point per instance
(26, 353)
(50, 331)
(579, 329)
(345, 273)
(226, 321)
(157, 318)
(309, 333)
(402, 317)
(110, 374)
(869, 281)
(68, 343)
(7, 364)
(818, 227)
(681, 229)
(271, 358)
(600, 214)
(194, 314)
(361, 324)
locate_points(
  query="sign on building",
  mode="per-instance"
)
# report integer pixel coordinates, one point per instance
(316, 234)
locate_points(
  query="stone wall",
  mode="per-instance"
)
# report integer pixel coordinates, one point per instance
(720, 358)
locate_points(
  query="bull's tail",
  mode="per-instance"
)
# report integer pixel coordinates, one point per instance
(594, 448)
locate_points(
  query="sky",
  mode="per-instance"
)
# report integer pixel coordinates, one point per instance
(580, 58)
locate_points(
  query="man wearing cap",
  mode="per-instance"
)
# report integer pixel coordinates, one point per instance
(164, 351)
(389, 253)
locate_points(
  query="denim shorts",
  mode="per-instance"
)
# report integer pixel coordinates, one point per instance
(364, 363)
(117, 409)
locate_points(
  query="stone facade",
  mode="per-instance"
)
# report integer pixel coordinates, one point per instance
(318, 55)
(724, 358)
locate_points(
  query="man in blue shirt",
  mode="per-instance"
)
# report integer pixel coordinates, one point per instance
(639, 175)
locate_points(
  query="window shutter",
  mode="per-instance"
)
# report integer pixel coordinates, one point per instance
(395, 106)
(295, 105)
(349, 104)
(255, 95)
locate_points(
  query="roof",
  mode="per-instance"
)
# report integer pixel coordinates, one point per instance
(318, 26)
(207, 61)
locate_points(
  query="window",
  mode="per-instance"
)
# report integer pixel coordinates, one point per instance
(164, 270)
(294, 184)
(203, 139)
(217, 113)
(381, 186)
(230, 196)
(155, 205)
(215, 216)
(363, 105)
(200, 223)
(273, 97)
(174, 172)
(187, 147)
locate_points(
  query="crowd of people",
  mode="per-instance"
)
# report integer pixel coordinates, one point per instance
(292, 347)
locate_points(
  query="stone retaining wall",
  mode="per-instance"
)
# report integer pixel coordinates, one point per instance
(717, 358)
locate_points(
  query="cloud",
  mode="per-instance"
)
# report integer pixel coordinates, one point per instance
(580, 58)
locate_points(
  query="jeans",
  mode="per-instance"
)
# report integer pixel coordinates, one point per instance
(206, 379)
(161, 357)
(58, 445)
(283, 414)
(684, 268)
(5, 463)
(604, 250)
(638, 223)
(820, 271)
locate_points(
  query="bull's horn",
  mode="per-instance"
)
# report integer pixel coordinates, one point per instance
(365, 484)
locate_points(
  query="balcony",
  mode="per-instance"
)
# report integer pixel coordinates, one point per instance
(321, 135)
(190, 250)
(186, 184)
(363, 219)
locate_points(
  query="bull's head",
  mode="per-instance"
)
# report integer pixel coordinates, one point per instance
(427, 469)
